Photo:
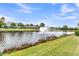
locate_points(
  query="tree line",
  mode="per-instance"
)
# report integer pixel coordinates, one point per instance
(4, 24)
(64, 28)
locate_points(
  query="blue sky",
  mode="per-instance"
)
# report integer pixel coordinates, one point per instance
(52, 14)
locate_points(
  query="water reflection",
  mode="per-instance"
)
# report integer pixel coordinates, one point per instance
(1, 37)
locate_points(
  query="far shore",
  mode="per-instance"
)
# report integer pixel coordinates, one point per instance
(17, 30)
(26, 30)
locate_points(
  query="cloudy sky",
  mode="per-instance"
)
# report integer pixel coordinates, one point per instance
(52, 14)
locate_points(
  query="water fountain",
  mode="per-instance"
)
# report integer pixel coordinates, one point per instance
(45, 32)
(44, 29)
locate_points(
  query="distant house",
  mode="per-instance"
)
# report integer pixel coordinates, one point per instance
(8, 24)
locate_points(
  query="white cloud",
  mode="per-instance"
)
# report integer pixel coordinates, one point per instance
(60, 17)
(53, 3)
(77, 4)
(65, 9)
(76, 21)
(61, 14)
(71, 17)
(24, 8)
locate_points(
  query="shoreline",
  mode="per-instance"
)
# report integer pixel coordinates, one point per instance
(26, 46)
(25, 29)
(17, 30)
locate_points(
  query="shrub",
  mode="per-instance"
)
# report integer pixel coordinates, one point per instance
(77, 32)
(0, 54)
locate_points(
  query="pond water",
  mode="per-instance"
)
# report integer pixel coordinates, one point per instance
(16, 39)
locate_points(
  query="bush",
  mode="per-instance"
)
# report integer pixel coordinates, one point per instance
(0, 54)
(77, 32)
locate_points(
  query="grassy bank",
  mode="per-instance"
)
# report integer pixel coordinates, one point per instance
(14, 29)
(64, 46)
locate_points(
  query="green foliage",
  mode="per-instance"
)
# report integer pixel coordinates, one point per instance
(2, 19)
(1, 24)
(27, 24)
(37, 25)
(13, 25)
(21, 25)
(77, 32)
(42, 24)
(30, 24)
(65, 27)
(0, 54)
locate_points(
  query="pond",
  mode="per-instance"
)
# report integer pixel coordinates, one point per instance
(17, 39)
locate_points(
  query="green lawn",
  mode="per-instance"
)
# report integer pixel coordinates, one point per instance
(17, 29)
(65, 46)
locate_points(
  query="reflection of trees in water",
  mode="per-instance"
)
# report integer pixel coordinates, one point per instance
(29, 33)
(65, 32)
(1, 37)
(20, 33)
(12, 34)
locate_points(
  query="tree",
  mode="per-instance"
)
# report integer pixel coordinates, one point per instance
(27, 25)
(5, 25)
(65, 28)
(59, 28)
(21, 25)
(2, 19)
(37, 25)
(31, 24)
(75, 28)
(13, 25)
(42, 24)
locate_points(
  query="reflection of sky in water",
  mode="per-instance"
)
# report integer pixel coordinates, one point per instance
(16, 39)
